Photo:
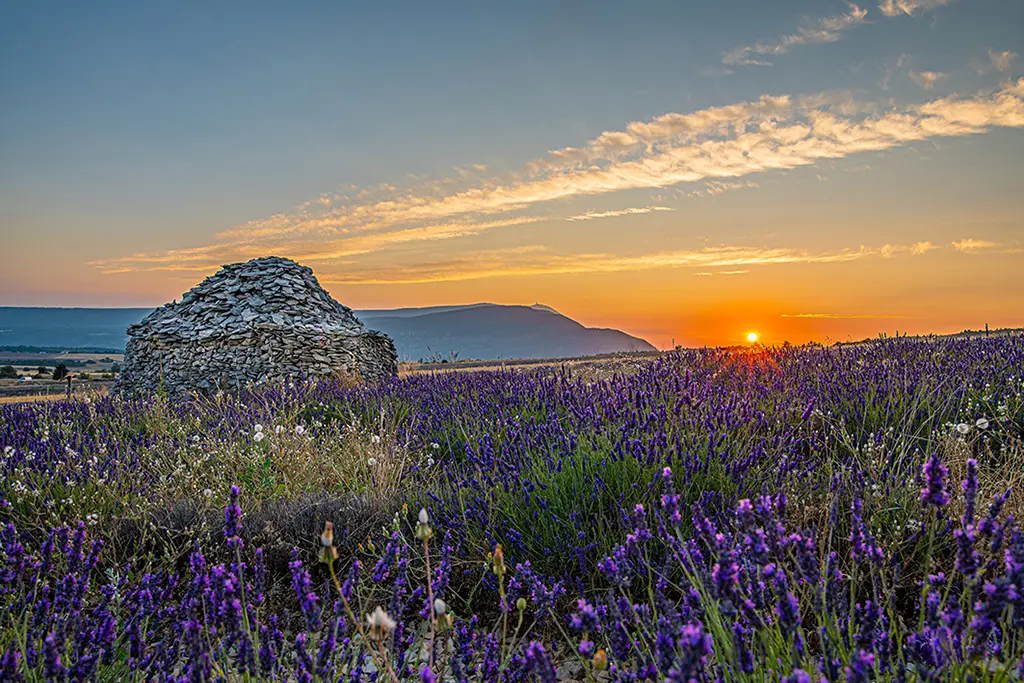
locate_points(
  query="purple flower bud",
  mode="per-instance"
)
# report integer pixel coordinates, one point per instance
(303, 587)
(585, 618)
(539, 663)
(934, 491)
(233, 521)
(861, 669)
(970, 489)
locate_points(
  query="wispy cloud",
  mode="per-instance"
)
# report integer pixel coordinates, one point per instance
(722, 272)
(721, 144)
(896, 8)
(826, 30)
(972, 245)
(926, 79)
(618, 212)
(890, 250)
(843, 316)
(713, 188)
(505, 263)
(1002, 61)
(329, 249)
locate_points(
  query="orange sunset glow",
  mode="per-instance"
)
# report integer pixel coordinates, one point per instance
(814, 173)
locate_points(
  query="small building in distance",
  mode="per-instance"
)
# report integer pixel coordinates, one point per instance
(263, 320)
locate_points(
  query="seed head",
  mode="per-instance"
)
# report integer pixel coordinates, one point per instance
(327, 537)
(379, 624)
(498, 561)
(439, 607)
(423, 531)
(328, 554)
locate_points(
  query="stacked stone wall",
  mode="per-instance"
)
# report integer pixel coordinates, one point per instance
(264, 320)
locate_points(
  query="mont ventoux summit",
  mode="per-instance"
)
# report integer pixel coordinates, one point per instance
(482, 331)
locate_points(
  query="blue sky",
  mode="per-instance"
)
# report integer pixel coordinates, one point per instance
(144, 144)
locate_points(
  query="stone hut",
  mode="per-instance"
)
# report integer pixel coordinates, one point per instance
(266, 319)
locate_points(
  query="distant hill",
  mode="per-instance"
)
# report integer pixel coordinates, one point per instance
(477, 331)
(491, 331)
(68, 328)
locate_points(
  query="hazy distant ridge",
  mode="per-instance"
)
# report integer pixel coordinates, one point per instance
(483, 331)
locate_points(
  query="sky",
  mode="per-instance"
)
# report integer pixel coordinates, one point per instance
(687, 172)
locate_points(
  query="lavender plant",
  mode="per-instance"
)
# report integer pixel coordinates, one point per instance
(799, 514)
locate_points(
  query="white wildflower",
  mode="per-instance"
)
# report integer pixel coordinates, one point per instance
(278, 429)
(258, 427)
(430, 462)
(371, 462)
(375, 438)
(379, 624)
(435, 445)
(981, 423)
(439, 607)
(963, 428)
(299, 429)
(8, 451)
(423, 516)
(257, 437)
(207, 492)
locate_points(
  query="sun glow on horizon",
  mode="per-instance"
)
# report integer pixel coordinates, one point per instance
(752, 337)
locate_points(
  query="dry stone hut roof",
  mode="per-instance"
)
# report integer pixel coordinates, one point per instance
(261, 320)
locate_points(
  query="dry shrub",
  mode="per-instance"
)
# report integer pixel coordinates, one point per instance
(998, 472)
(169, 534)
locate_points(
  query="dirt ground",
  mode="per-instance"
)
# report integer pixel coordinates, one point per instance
(587, 368)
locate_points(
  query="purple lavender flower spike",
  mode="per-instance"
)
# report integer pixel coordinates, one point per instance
(934, 492)
(539, 662)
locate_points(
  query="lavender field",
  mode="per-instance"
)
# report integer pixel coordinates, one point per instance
(798, 514)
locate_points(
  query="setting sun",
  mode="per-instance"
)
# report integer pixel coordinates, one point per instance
(752, 337)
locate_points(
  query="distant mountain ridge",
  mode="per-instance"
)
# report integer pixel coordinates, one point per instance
(493, 331)
(482, 331)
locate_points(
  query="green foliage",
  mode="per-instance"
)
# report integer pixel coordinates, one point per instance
(60, 372)
(8, 372)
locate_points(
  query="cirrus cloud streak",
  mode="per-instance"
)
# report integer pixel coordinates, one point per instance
(715, 145)
(827, 30)
(536, 261)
